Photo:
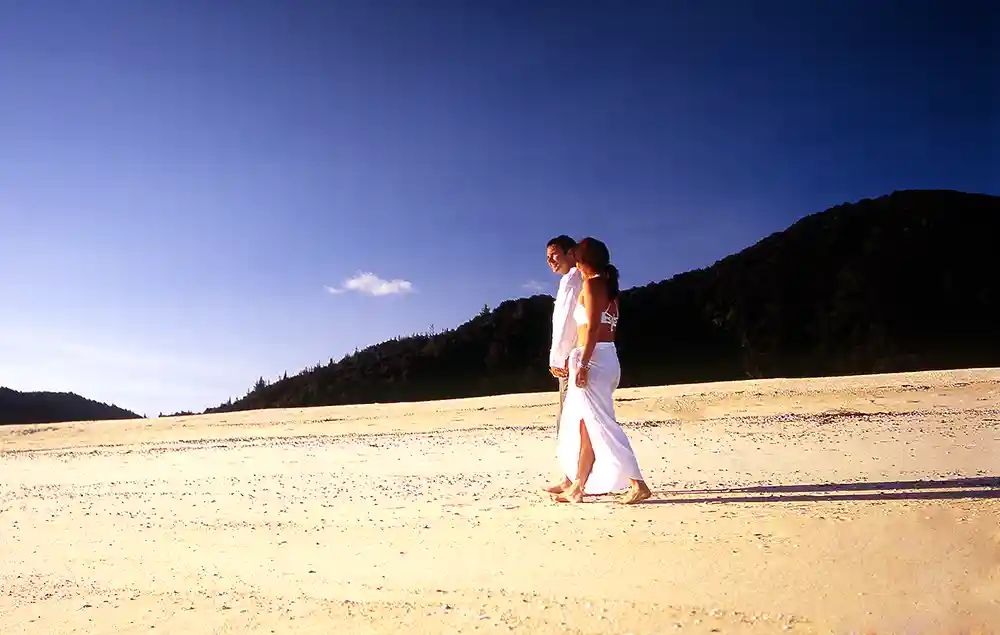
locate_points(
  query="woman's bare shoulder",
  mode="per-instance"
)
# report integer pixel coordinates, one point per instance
(596, 285)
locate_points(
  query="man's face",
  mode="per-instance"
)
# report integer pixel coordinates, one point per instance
(559, 262)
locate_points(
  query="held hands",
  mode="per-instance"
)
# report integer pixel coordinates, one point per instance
(560, 372)
(581, 373)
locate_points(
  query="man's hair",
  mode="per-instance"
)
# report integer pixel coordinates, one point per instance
(564, 243)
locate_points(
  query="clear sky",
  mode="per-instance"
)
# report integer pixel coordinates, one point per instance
(186, 188)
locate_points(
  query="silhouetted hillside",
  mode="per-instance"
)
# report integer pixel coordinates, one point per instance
(50, 407)
(902, 282)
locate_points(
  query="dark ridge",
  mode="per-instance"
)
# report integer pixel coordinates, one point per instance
(53, 407)
(904, 282)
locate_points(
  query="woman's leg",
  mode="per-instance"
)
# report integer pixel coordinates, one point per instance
(574, 493)
(587, 457)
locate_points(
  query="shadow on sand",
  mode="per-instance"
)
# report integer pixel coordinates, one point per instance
(984, 487)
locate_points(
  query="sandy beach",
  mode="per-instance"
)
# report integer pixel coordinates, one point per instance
(848, 505)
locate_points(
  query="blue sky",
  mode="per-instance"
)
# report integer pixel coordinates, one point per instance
(185, 187)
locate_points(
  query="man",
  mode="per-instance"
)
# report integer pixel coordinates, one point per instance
(562, 261)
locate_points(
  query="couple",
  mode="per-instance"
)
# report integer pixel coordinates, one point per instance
(594, 453)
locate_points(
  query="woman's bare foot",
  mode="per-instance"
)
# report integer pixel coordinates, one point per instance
(572, 494)
(558, 488)
(636, 494)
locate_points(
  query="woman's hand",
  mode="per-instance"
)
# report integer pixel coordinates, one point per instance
(581, 377)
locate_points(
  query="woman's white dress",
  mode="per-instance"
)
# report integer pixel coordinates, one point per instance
(615, 463)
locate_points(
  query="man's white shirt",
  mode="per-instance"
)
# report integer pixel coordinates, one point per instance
(563, 328)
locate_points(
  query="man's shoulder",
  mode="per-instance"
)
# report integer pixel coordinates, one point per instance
(574, 277)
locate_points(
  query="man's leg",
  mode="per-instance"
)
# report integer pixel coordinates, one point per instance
(563, 386)
(564, 482)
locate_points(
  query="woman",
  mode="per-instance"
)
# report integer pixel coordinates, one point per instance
(593, 450)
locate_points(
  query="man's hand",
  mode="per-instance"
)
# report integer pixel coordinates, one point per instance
(558, 372)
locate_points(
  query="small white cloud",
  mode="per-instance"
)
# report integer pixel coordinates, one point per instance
(370, 284)
(534, 285)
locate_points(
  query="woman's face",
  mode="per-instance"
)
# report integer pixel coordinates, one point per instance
(585, 268)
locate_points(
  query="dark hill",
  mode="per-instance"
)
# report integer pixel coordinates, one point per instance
(50, 407)
(903, 282)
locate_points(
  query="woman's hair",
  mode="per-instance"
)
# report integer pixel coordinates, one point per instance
(595, 254)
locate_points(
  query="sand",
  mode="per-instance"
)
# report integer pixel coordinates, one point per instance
(862, 504)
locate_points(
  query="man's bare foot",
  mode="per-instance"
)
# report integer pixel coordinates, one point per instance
(572, 494)
(636, 494)
(558, 488)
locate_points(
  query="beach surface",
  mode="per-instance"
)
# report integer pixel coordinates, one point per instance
(839, 505)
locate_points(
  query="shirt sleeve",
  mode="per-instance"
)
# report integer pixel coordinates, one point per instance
(564, 333)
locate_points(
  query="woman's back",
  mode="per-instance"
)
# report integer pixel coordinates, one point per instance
(608, 316)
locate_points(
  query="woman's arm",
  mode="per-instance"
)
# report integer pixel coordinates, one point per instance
(593, 296)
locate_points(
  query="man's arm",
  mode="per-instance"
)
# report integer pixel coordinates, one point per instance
(563, 332)
(560, 316)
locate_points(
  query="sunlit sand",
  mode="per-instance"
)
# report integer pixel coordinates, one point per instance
(862, 504)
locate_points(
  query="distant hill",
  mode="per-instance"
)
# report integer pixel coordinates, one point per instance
(50, 407)
(899, 283)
